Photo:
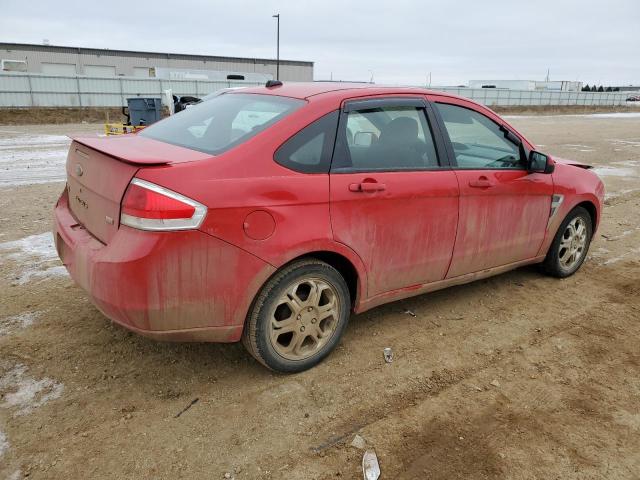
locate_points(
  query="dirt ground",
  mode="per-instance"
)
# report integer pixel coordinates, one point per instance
(520, 376)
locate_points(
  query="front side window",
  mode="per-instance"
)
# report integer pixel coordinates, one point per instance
(223, 122)
(477, 141)
(386, 138)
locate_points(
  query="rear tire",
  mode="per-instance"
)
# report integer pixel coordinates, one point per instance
(570, 245)
(298, 317)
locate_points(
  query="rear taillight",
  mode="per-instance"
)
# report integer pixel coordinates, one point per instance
(148, 206)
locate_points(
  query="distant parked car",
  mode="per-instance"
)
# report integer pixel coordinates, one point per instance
(269, 214)
(633, 98)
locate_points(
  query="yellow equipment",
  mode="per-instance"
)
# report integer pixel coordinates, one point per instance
(140, 112)
(121, 128)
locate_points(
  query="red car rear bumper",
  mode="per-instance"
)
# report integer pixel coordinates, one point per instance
(176, 286)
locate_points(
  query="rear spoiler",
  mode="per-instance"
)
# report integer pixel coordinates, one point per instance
(137, 150)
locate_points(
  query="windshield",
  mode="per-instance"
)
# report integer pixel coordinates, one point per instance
(223, 122)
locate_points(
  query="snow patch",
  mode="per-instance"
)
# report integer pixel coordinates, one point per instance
(614, 171)
(619, 193)
(622, 115)
(612, 115)
(17, 322)
(36, 256)
(630, 252)
(4, 443)
(23, 393)
(17, 475)
(624, 143)
(31, 159)
(30, 140)
(628, 163)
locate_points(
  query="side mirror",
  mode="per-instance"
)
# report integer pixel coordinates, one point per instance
(363, 139)
(539, 163)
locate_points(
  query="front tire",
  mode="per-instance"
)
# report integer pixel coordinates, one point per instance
(570, 245)
(298, 317)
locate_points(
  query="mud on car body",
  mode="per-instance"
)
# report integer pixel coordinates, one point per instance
(269, 214)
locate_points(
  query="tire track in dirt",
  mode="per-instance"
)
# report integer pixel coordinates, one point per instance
(439, 383)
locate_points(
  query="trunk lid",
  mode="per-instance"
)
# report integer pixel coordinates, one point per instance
(96, 183)
(99, 170)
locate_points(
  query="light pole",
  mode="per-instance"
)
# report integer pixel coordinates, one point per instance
(277, 16)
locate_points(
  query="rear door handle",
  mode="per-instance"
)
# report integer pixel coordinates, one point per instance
(482, 182)
(367, 187)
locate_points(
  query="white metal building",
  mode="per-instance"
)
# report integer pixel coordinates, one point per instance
(94, 62)
(556, 85)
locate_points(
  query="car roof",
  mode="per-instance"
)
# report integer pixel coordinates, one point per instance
(340, 91)
(305, 90)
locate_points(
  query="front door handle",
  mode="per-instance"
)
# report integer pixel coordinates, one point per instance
(481, 182)
(367, 187)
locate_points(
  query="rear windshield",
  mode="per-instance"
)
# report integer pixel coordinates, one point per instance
(223, 122)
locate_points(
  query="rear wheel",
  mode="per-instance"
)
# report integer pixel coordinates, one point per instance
(298, 317)
(570, 245)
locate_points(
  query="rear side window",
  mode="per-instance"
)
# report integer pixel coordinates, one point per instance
(309, 150)
(216, 125)
(386, 139)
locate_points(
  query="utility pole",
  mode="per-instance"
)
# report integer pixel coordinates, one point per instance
(277, 16)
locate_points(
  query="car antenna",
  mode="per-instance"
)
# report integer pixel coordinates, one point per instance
(273, 83)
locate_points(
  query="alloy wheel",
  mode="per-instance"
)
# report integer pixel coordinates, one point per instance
(573, 243)
(304, 318)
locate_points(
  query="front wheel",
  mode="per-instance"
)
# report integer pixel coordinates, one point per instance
(298, 317)
(570, 245)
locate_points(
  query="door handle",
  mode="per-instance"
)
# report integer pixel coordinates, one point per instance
(367, 187)
(481, 182)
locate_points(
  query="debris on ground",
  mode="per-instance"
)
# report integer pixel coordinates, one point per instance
(435, 323)
(359, 442)
(193, 402)
(495, 383)
(409, 312)
(370, 466)
(388, 355)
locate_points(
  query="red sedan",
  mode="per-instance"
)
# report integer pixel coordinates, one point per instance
(270, 214)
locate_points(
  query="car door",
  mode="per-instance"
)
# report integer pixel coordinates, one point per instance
(393, 197)
(504, 209)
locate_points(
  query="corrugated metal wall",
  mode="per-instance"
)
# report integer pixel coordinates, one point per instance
(125, 62)
(27, 90)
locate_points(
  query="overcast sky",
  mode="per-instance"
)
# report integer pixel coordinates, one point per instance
(395, 41)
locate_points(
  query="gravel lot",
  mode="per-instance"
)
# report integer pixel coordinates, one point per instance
(517, 376)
